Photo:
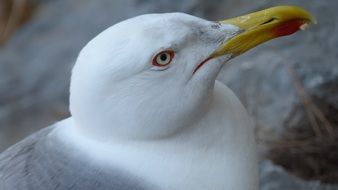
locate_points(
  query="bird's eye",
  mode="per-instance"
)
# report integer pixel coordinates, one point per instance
(163, 58)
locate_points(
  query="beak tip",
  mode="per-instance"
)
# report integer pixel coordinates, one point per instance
(314, 20)
(305, 26)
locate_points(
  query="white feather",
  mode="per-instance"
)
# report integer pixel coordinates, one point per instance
(172, 128)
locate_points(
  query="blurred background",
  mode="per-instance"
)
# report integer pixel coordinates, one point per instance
(289, 85)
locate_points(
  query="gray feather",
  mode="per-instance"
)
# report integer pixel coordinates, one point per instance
(40, 162)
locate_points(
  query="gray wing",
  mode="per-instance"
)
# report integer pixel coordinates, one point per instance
(41, 163)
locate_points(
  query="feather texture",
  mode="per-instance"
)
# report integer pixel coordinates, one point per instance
(42, 162)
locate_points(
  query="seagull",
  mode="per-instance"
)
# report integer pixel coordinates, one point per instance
(147, 112)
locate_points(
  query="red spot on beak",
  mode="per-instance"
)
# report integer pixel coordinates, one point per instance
(288, 28)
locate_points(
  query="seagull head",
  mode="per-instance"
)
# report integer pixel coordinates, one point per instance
(153, 76)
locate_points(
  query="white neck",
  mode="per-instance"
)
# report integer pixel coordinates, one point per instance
(217, 153)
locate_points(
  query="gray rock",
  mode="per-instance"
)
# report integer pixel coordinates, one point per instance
(276, 178)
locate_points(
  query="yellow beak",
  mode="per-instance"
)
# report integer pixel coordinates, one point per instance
(261, 26)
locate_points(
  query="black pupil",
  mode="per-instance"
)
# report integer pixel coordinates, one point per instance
(163, 57)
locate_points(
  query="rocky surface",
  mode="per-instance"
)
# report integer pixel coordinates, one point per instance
(35, 66)
(276, 178)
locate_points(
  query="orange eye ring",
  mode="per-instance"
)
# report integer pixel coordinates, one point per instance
(163, 58)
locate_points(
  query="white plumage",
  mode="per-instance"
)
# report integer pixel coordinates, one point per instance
(175, 129)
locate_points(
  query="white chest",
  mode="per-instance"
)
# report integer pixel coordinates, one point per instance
(219, 153)
(181, 168)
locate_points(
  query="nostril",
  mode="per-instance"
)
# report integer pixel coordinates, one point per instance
(268, 21)
(216, 26)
